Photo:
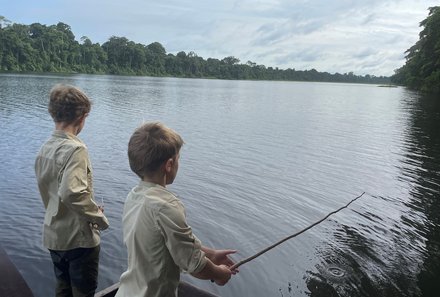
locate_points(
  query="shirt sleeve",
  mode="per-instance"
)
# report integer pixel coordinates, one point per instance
(184, 247)
(75, 189)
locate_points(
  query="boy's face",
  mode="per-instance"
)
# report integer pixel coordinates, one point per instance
(173, 169)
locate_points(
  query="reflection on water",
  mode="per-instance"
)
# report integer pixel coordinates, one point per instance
(261, 161)
(424, 149)
(401, 259)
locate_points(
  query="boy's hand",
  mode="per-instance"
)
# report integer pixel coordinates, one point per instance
(220, 257)
(224, 275)
(101, 208)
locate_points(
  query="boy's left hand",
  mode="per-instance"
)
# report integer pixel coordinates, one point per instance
(220, 257)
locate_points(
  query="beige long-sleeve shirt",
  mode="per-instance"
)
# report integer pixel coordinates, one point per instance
(159, 243)
(64, 176)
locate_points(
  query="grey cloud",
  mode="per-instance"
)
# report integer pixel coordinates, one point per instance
(368, 19)
(269, 34)
(305, 55)
(366, 52)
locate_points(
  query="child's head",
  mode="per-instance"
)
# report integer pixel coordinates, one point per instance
(68, 104)
(151, 146)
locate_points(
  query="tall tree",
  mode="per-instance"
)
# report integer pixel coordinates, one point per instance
(156, 55)
(116, 49)
(422, 68)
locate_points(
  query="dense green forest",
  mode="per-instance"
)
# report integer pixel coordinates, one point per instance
(41, 48)
(422, 68)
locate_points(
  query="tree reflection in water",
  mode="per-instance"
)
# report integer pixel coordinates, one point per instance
(400, 257)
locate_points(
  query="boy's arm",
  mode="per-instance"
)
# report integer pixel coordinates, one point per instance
(220, 274)
(75, 191)
(185, 248)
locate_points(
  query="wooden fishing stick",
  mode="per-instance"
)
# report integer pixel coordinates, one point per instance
(238, 264)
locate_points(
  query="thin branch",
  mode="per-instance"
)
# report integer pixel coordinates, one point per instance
(236, 265)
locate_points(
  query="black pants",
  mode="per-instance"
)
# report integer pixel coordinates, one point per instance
(76, 271)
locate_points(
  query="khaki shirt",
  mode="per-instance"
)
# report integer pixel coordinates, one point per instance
(64, 176)
(159, 242)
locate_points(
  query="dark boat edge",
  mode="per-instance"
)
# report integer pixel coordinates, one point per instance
(109, 291)
(12, 283)
(184, 290)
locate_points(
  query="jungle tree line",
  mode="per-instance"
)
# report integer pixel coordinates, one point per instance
(422, 68)
(42, 48)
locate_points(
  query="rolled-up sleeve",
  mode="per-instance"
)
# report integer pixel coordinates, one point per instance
(75, 189)
(184, 247)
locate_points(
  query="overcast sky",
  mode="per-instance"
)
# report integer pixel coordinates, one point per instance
(363, 36)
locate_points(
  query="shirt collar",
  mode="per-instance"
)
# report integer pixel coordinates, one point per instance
(64, 134)
(149, 184)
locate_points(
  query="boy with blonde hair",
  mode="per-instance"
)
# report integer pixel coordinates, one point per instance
(159, 241)
(64, 175)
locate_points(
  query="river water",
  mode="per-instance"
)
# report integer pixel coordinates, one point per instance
(261, 161)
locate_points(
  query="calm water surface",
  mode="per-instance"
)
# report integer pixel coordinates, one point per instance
(262, 160)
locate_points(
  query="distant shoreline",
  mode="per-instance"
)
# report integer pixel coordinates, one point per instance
(54, 49)
(188, 77)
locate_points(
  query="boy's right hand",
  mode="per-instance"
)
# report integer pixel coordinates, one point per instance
(223, 276)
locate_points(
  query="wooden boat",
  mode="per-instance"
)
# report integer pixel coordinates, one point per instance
(12, 283)
(185, 290)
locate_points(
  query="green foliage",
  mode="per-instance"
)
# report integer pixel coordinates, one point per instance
(422, 68)
(41, 48)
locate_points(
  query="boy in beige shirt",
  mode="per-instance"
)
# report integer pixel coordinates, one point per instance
(64, 174)
(159, 241)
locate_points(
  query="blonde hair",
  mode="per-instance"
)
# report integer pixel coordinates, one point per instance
(150, 145)
(68, 103)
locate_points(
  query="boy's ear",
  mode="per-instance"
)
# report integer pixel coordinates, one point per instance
(169, 165)
(80, 119)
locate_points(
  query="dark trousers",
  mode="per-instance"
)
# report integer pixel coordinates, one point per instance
(76, 271)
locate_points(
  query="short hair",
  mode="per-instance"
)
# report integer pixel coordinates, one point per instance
(68, 103)
(150, 145)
